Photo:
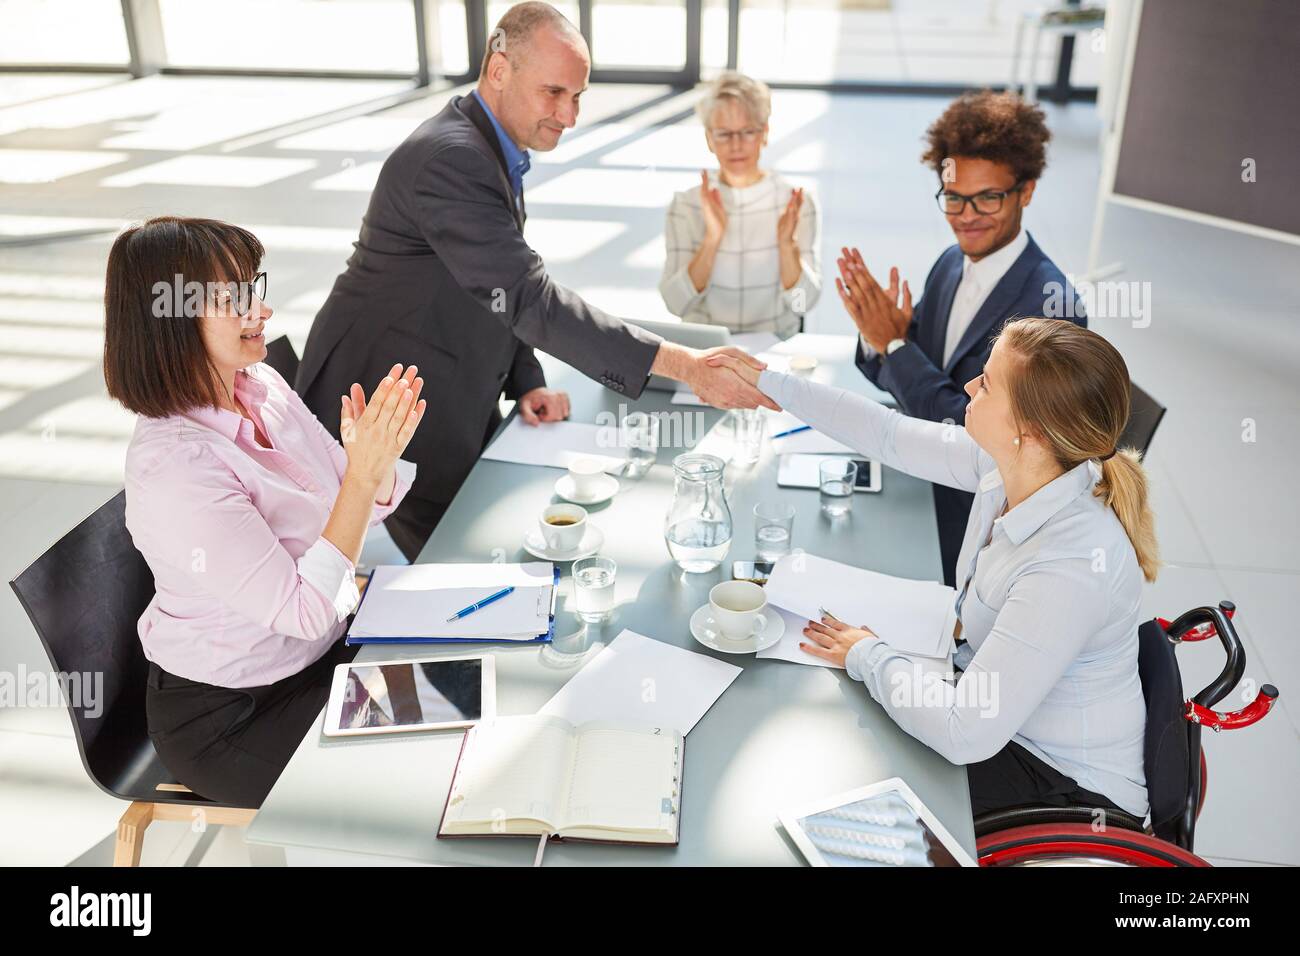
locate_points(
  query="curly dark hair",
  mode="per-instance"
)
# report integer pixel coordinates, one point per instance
(999, 127)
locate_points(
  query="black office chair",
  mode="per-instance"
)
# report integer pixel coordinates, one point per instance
(85, 596)
(282, 357)
(1173, 761)
(1144, 418)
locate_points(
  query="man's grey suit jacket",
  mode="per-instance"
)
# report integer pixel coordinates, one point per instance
(442, 278)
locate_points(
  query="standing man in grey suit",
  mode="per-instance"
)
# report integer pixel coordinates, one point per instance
(442, 278)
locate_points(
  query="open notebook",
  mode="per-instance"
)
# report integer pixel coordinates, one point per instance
(536, 775)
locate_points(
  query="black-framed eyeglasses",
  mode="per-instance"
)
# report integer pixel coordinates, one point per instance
(985, 203)
(723, 137)
(240, 294)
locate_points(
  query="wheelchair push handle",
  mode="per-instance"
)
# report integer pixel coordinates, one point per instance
(1202, 631)
(1206, 622)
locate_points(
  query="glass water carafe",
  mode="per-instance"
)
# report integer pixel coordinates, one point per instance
(698, 526)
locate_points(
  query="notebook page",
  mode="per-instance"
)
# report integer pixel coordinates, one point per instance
(513, 768)
(623, 779)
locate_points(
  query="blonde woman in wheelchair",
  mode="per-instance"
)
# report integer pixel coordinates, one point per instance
(1048, 707)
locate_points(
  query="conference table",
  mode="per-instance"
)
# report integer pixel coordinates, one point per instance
(782, 734)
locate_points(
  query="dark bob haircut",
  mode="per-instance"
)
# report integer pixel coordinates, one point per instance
(155, 362)
(998, 127)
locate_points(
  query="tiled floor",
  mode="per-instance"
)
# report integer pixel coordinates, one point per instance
(1221, 351)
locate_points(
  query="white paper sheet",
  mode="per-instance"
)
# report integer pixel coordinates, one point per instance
(643, 682)
(909, 615)
(416, 600)
(787, 648)
(557, 444)
(754, 342)
(811, 442)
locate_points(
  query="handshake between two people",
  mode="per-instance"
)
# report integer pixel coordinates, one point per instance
(377, 431)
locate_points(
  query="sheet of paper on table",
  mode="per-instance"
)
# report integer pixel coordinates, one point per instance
(915, 617)
(787, 648)
(557, 444)
(415, 600)
(811, 442)
(639, 681)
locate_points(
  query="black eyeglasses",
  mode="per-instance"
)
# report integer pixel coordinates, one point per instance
(985, 203)
(240, 294)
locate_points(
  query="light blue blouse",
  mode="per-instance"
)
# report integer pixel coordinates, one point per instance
(1048, 600)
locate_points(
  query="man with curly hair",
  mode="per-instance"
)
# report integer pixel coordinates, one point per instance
(989, 150)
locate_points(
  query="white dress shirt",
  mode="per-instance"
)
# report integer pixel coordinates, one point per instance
(744, 292)
(978, 279)
(1049, 608)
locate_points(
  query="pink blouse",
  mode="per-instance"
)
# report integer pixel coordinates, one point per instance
(248, 592)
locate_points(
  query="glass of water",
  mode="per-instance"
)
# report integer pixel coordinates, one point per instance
(639, 433)
(837, 477)
(747, 427)
(593, 588)
(773, 526)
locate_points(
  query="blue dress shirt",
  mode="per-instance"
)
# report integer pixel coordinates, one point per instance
(517, 161)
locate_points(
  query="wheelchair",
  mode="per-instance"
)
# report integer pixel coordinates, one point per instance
(1173, 760)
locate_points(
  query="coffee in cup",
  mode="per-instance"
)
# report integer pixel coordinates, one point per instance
(563, 526)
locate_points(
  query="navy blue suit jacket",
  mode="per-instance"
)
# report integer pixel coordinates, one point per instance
(927, 387)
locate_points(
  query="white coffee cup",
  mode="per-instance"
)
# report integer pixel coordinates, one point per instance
(585, 473)
(563, 537)
(737, 608)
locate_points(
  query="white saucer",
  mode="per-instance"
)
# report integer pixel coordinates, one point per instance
(608, 489)
(591, 542)
(705, 630)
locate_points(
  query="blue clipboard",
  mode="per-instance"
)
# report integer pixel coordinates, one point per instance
(545, 638)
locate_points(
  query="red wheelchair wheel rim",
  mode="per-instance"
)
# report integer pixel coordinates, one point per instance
(1043, 841)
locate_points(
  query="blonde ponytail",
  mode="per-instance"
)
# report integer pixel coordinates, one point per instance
(1073, 386)
(1123, 488)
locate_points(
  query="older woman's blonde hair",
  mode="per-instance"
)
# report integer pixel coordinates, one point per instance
(751, 95)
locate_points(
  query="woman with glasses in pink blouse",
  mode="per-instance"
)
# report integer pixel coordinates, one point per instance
(250, 515)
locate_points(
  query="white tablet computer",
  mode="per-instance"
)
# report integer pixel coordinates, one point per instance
(885, 824)
(797, 470)
(387, 697)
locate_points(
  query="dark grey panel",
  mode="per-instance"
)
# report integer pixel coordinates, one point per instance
(1215, 83)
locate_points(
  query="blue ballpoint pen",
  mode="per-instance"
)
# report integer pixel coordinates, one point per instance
(793, 431)
(483, 603)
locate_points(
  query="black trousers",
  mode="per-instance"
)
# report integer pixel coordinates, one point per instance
(230, 744)
(1013, 777)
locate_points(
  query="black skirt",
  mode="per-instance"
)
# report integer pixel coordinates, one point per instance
(230, 744)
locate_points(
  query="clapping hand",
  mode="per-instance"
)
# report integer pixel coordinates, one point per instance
(789, 221)
(715, 214)
(878, 313)
(375, 433)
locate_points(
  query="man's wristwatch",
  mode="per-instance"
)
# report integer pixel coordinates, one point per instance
(894, 345)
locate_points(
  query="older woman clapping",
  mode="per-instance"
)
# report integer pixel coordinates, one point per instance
(742, 246)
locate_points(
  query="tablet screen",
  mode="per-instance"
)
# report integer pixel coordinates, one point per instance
(412, 694)
(881, 830)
